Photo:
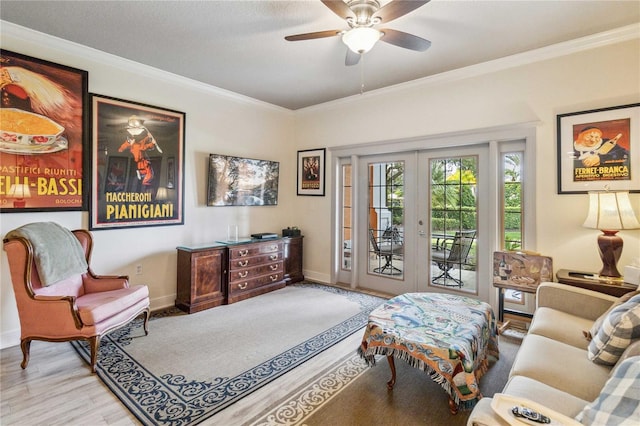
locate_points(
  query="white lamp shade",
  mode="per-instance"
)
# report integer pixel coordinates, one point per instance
(19, 191)
(361, 39)
(611, 211)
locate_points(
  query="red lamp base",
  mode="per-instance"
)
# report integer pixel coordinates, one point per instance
(610, 248)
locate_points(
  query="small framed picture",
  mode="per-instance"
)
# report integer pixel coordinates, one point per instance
(599, 150)
(311, 172)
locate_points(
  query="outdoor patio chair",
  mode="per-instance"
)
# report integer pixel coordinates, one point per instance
(387, 247)
(452, 252)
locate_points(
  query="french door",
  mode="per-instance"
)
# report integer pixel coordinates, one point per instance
(410, 209)
(453, 201)
(386, 212)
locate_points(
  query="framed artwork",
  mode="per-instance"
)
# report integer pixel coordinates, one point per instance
(239, 181)
(43, 136)
(137, 159)
(311, 172)
(521, 271)
(599, 150)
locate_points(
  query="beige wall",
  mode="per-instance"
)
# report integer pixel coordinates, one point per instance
(225, 123)
(216, 122)
(537, 92)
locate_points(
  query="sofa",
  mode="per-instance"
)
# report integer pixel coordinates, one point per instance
(562, 366)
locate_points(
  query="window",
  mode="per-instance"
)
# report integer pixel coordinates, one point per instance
(347, 201)
(511, 229)
(512, 235)
(386, 218)
(454, 222)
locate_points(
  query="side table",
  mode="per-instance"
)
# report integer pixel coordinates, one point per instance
(586, 280)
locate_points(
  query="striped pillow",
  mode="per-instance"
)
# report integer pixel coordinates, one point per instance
(598, 323)
(619, 400)
(619, 328)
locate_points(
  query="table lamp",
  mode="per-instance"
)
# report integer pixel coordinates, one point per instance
(610, 212)
(19, 191)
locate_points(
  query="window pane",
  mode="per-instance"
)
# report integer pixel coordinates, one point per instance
(454, 222)
(347, 202)
(386, 219)
(512, 211)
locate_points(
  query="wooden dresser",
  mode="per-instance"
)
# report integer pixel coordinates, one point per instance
(202, 280)
(292, 247)
(225, 272)
(255, 268)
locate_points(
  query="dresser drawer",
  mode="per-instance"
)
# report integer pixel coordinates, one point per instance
(244, 274)
(249, 262)
(255, 249)
(246, 285)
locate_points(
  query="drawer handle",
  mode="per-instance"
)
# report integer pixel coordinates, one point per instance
(273, 257)
(245, 263)
(242, 286)
(273, 277)
(273, 267)
(243, 253)
(243, 274)
(274, 248)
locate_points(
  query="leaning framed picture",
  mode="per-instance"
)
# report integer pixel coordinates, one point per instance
(43, 136)
(311, 172)
(137, 164)
(599, 150)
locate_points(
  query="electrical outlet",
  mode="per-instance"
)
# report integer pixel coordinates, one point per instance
(138, 269)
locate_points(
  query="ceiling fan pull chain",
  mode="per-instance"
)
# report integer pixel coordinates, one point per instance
(362, 74)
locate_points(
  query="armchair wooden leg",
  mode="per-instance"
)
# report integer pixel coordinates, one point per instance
(147, 314)
(94, 343)
(25, 345)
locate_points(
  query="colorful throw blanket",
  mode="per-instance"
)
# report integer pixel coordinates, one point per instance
(56, 251)
(447, 336)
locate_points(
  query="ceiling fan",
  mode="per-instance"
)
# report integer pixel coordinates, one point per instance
(362, 16)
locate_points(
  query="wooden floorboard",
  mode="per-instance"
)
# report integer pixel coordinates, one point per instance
(57, 388)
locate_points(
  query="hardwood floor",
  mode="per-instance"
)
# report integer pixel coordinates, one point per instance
(57, 388)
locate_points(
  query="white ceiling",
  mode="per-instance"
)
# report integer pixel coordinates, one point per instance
(239, 45)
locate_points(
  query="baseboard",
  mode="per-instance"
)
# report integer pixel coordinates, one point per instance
(9, 339)
(317, 276)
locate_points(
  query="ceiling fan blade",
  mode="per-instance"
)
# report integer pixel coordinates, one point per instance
(340, 8)
(310, 36)
(406, 40)
(352, 58)
(398, 8)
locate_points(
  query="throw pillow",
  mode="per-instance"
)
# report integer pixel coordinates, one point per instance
(598, 323)
(619, 400)
(618, 329)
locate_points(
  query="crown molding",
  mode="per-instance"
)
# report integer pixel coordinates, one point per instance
(58, 45)
(593, 41)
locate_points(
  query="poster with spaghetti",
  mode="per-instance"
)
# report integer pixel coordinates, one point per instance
(43, 119)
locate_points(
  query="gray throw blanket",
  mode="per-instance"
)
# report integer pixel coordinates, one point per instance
(57, 252)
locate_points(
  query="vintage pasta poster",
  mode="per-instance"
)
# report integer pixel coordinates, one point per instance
(42, 135)
(137, 158)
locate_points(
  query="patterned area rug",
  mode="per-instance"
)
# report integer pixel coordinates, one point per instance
(191, 367)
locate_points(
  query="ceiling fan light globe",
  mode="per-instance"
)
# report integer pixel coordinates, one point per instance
(361, 40)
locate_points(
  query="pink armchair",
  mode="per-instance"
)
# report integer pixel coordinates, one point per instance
(83, 306)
